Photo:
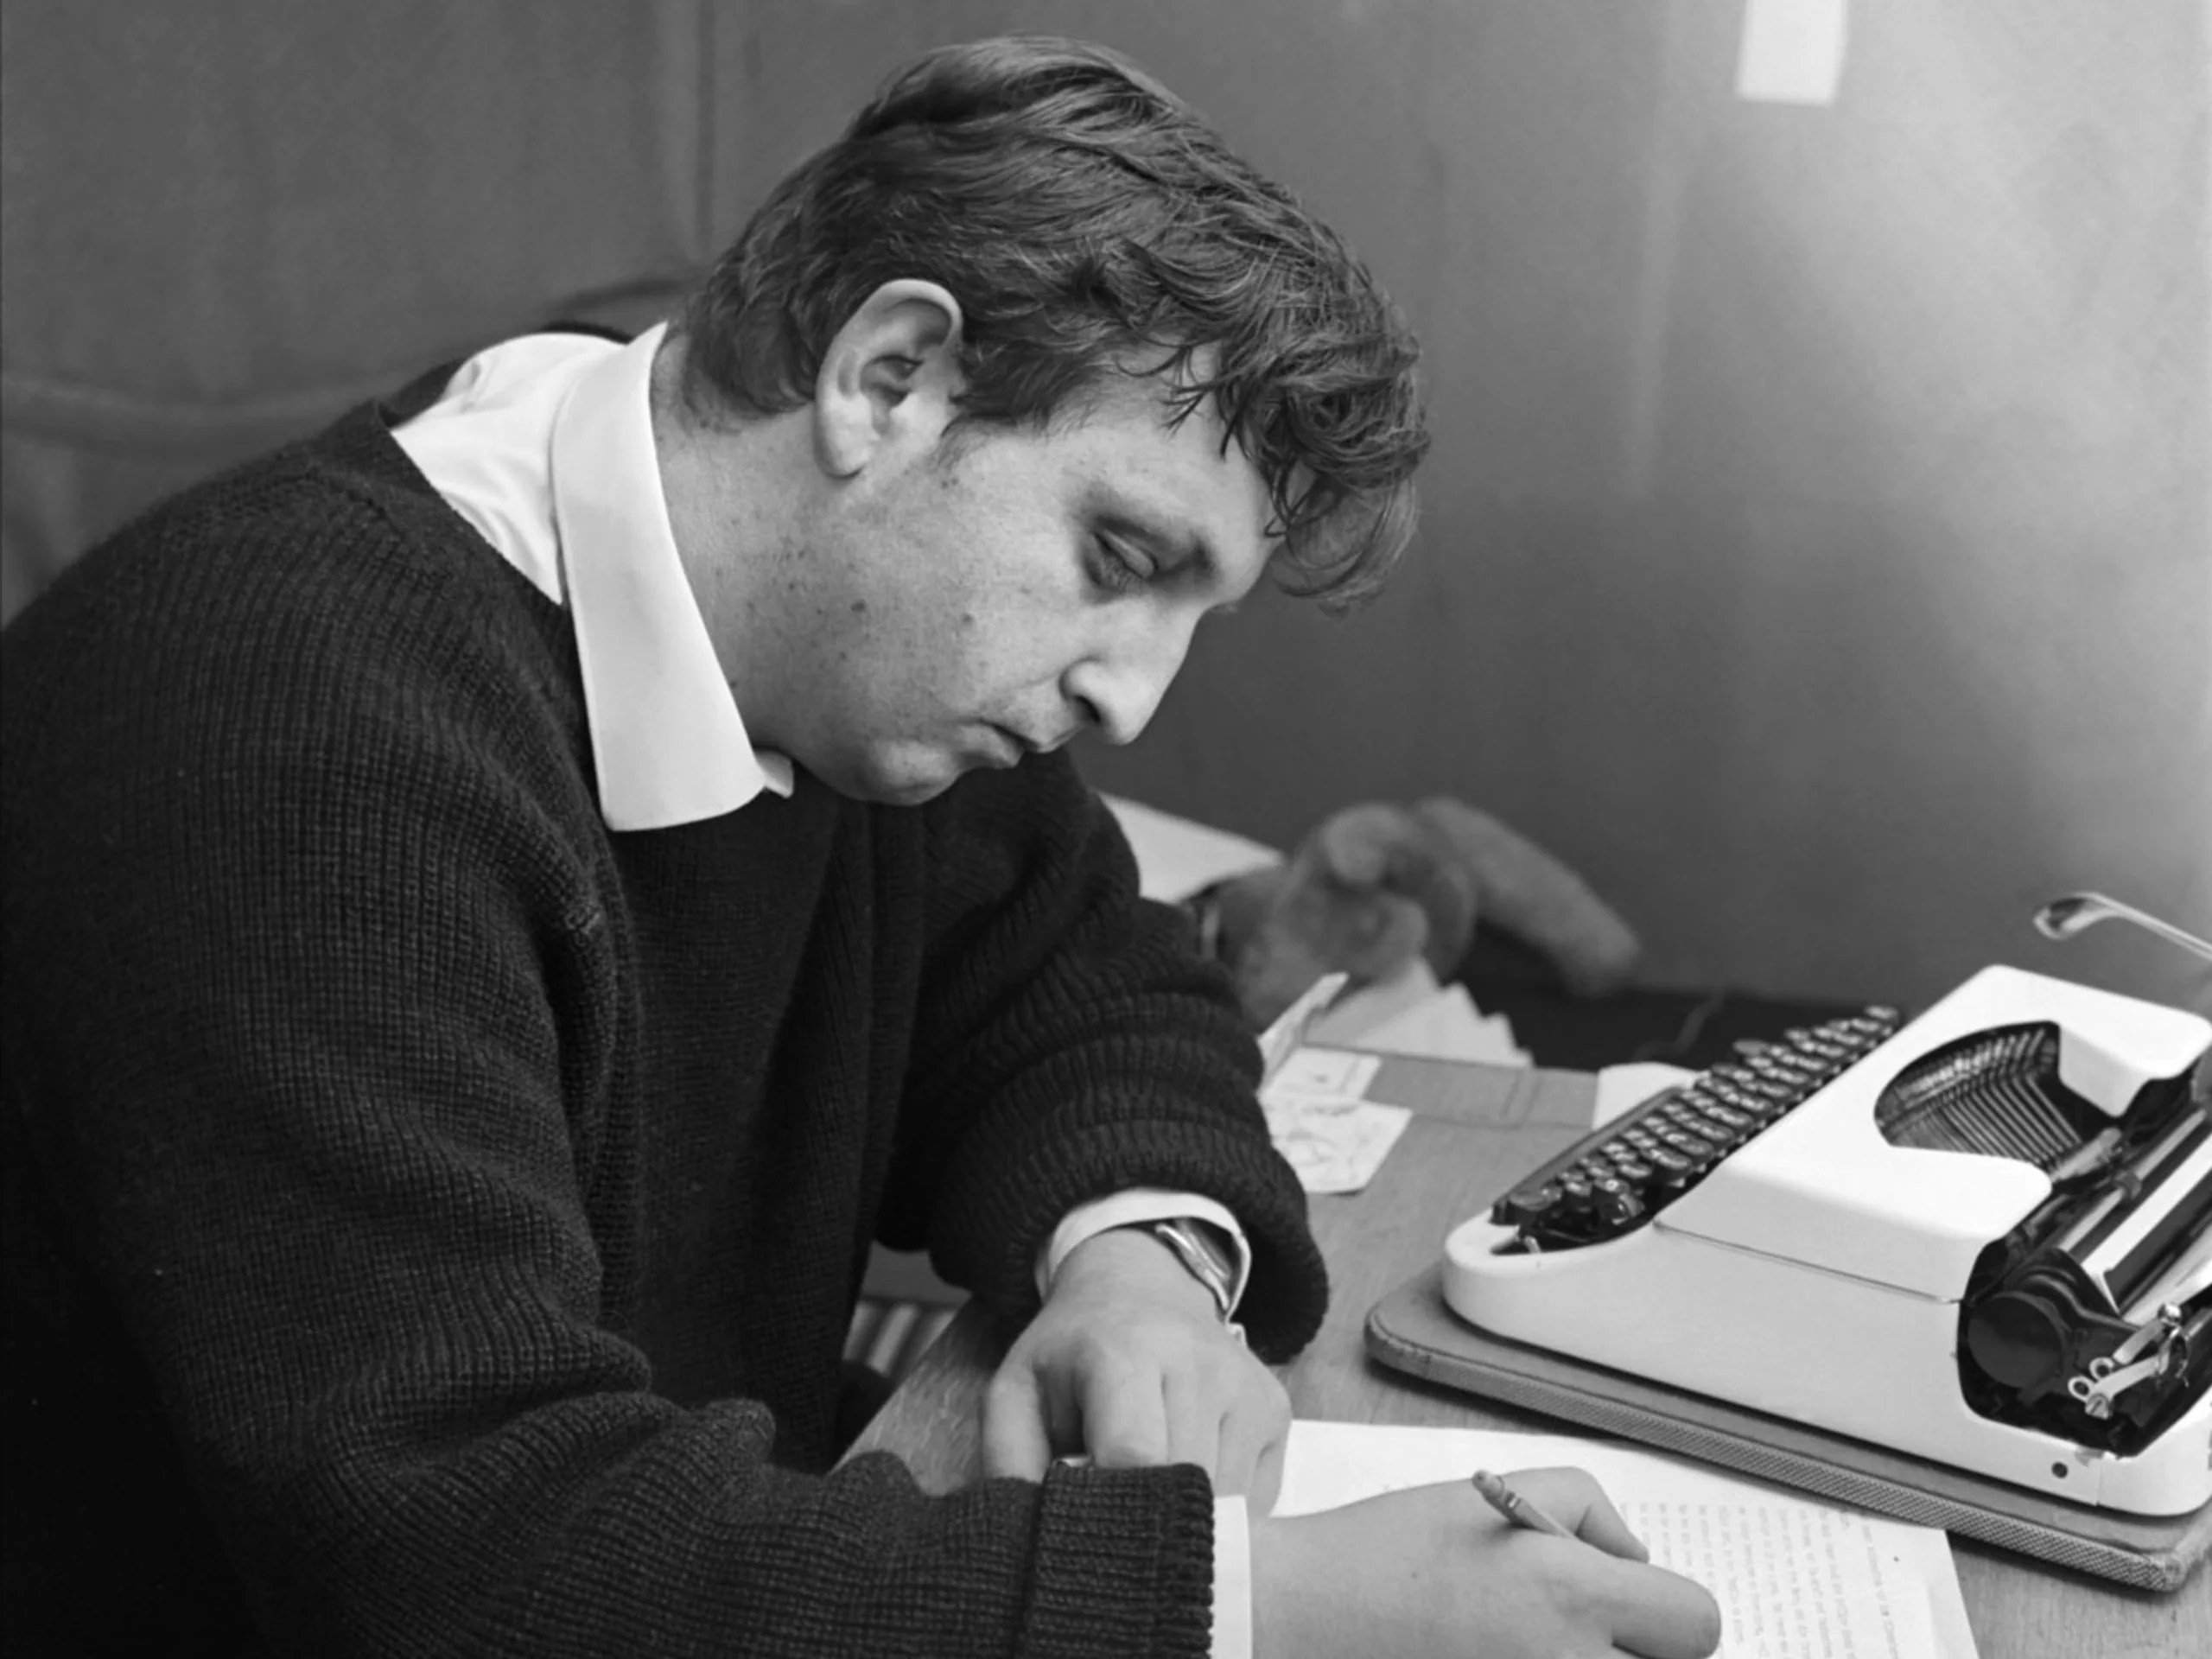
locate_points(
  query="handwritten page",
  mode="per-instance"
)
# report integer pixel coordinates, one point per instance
(1335, 1142)
(1795, 1578)
(1343, 1071)
(1322, 1124)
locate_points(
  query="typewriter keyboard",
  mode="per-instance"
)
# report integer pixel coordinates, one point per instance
(1629, 1170)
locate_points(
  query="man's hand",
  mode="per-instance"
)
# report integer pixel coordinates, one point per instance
(1129, 1361)
(1434, 1570)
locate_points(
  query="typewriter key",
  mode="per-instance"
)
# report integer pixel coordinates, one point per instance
(1669, 1163)
(1684, 1118)
(1724, 1138)
(1616, 1204)
(1525, 1206)
(1789, 1065)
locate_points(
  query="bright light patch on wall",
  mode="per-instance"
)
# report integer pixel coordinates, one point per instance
(1793, 51)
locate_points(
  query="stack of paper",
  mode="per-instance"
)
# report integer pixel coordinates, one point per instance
(1411, 1013)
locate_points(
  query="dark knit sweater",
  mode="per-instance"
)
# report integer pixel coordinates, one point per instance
(433, 1219)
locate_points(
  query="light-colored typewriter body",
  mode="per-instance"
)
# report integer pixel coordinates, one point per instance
(1816, 1273)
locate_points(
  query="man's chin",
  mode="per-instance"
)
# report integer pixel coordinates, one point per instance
(898, 774)
(916, 794)
(901, 786)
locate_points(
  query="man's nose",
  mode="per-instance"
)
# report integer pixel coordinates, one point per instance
(1120, 689)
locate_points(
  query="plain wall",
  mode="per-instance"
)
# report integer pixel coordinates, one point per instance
(1818, 543)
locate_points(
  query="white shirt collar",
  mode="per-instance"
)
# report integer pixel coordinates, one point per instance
(549, 452)
(665, 731)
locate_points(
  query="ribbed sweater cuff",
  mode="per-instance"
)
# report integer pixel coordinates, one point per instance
(1287, 1295)
(1122, 1567)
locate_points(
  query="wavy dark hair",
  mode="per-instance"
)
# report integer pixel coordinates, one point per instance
(1090, 225)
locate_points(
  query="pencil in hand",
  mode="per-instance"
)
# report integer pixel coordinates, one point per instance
(1514, 1507)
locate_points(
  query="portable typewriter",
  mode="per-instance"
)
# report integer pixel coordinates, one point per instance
(1984, 1237)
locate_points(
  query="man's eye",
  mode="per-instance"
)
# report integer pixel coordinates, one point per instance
(1118, 567)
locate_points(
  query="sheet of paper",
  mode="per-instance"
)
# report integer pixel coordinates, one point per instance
(1311, 1071)
(1333, 1137)
(1620, 1087)
(1448, 1025)
(1792, 51)
(1411, 1013)
(1177, 857)
(1355, 1013)
(1335, 1142)
(1795, 1578)
(1287, 1035)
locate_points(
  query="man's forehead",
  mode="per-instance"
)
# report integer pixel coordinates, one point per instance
(1167, 384)
(1199, 482)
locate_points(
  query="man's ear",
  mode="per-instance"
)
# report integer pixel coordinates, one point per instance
(889, 376)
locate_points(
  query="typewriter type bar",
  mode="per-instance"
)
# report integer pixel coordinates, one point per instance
(2092, 1318)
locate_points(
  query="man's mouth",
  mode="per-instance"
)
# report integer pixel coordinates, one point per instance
(1019, 746)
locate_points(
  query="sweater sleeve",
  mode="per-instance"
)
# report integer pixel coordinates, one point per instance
(1073, 1044)
(285, 912)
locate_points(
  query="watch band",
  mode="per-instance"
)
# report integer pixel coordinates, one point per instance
(1204, 908)
(1209, 1263)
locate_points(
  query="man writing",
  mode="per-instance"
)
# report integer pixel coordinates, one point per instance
(507, 897)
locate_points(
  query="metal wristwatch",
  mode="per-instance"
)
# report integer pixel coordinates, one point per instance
(1197, 1246)
(1204, 908)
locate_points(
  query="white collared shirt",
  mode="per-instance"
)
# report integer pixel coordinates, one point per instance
(544, 444)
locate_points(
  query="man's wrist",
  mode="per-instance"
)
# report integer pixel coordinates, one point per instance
(1136, 1249)
(1131, 1208)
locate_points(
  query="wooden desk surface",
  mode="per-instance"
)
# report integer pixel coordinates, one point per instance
(1473, 1131)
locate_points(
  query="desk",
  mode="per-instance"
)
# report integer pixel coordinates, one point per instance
(1473, 1130)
